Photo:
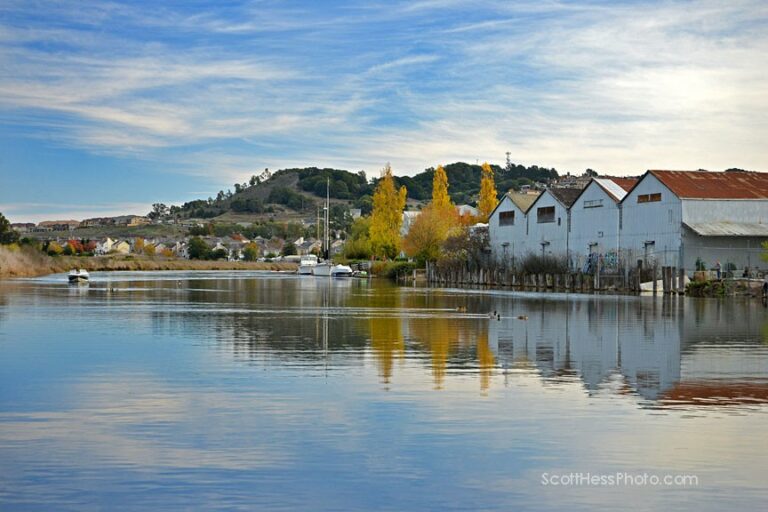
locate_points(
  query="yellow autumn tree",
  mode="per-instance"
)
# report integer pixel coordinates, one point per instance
(387, 216)
(138, 245)
(440, 199)
(488, 196)
(429, 231)
(150, 250)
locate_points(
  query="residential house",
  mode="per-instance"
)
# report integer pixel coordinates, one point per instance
(104, 246)
(23, 227)
(59, 225)
(408, 218)
(120, 247)
(337, 247)
(465, 209)
(131, 220)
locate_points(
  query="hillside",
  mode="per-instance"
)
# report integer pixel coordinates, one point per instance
(294, 194)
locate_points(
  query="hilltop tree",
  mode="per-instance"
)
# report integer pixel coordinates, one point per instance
(441, 201)
(8, 235)
(159, 210)
(387, 216)
(488, 195)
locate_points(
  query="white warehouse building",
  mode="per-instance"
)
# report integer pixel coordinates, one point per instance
(686, 219)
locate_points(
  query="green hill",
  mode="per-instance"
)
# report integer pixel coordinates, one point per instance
(297, 193)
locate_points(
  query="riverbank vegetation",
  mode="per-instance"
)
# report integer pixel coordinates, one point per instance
(28, 261)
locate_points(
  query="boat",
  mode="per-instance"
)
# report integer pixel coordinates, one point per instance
(323, 269)
(78, 276)
(307, 264)
(326, 267)
(362, 274)
(341, 271)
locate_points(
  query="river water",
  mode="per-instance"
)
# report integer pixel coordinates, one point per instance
(258, 391)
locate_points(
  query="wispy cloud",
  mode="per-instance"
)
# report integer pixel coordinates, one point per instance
(217, 92)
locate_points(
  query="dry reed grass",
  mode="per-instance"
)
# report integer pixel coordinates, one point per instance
(29, 262)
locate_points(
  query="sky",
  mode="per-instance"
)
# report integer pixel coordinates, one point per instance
(108, 107)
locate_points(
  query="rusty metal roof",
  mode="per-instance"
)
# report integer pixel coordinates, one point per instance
(730, 229)
(715, 185)
(625, 183)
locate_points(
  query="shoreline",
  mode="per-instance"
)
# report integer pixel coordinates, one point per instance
(25, 262)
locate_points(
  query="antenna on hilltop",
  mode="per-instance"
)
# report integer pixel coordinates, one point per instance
(509, 162)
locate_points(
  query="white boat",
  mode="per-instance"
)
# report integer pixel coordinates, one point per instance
(323, 269)
(341, 271)
(307, 264)
(78, 276)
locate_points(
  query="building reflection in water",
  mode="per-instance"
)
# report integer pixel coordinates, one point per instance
(665, 352)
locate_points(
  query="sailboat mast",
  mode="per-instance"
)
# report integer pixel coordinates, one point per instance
(327, 223)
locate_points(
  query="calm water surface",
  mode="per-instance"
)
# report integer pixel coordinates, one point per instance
(232, 390)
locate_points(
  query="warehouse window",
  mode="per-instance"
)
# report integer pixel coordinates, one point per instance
(507, 218)
(649, 198)
(593, 203)
(545, 214)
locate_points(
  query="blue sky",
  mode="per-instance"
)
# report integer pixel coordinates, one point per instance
(107, 107)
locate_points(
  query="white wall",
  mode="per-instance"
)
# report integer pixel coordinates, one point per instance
(742, 251)
(593, 225)
(699, 211)
(556, 233)
(660, 222)
(513, 236)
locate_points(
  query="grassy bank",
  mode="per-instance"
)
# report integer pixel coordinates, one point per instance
(29, 262)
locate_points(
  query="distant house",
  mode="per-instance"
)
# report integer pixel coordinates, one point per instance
(59, 225)
(104, 246)
(131, 220)
(308, 247)
(23, 227)
(465, 209)
(355, 213)
(121, 247)
(408, 218)
(337, 247)
(97, 222)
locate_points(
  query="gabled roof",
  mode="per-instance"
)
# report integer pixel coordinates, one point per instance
(617, 188)
(566, 196)
(714, 185)
(523, 201)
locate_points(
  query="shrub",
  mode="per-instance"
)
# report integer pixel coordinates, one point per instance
(546, 264)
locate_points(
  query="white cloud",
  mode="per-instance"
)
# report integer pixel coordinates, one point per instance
(615, 87)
